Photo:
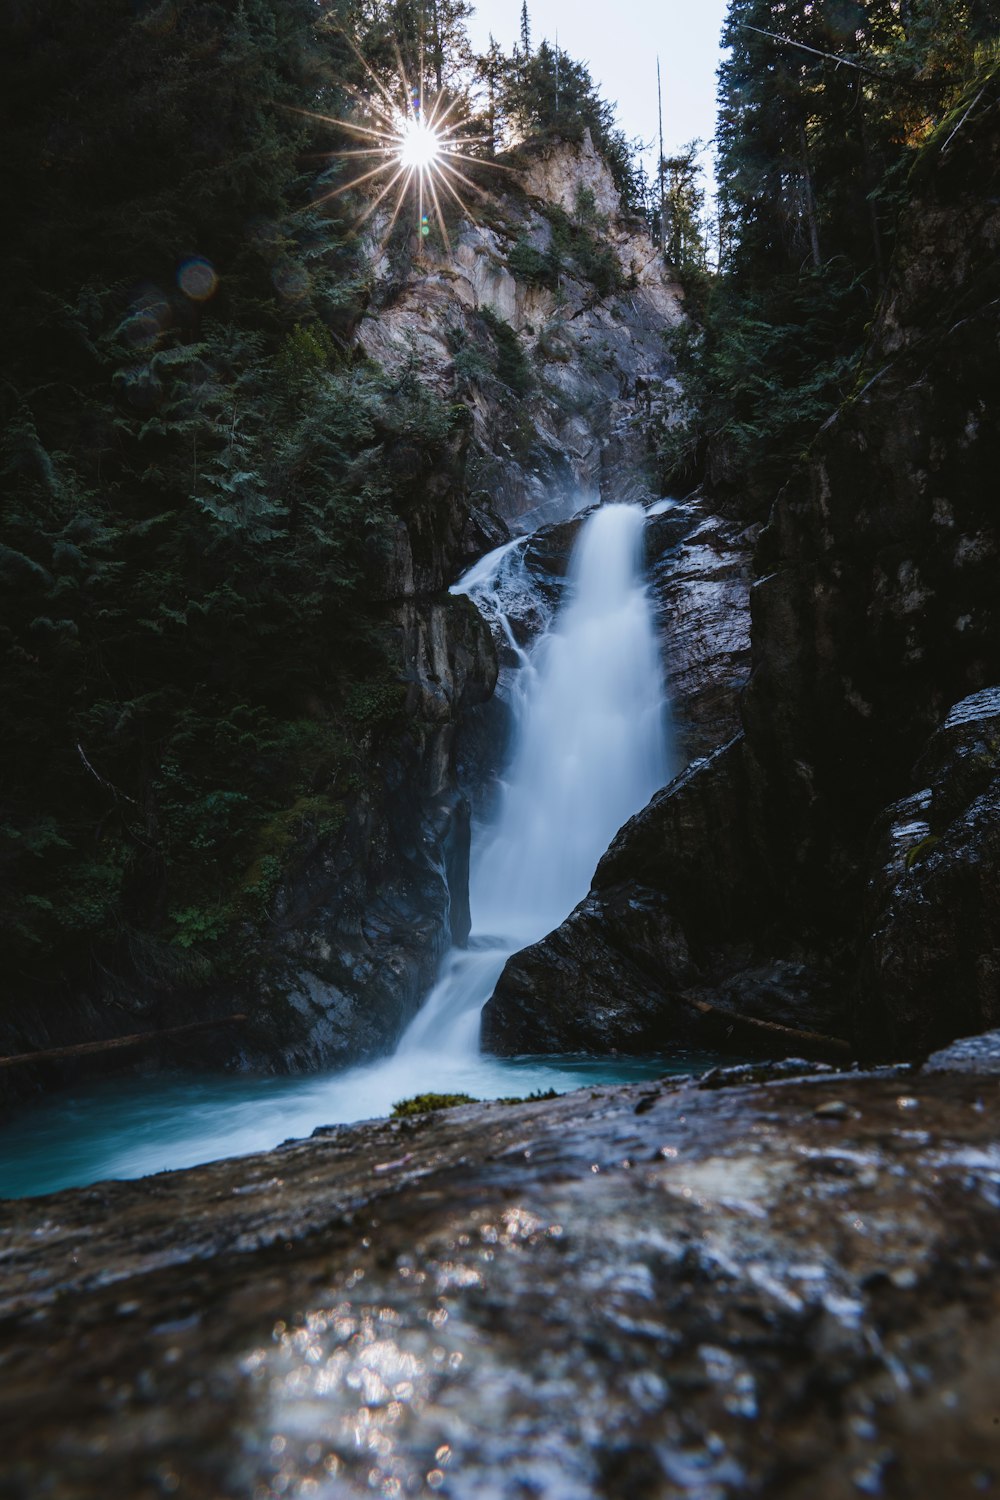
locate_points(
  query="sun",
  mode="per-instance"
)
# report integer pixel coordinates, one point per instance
(420, 145)
(409, 149)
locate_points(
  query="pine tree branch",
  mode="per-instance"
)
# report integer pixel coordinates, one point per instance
(848, 62)
(115, 791)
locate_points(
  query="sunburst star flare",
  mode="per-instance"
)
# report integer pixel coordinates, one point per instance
(409, 151)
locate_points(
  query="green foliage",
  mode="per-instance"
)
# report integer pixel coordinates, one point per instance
(199, 482)
(511, 365)
(823, 110)
(575, 242)
(683, 223)
(304, 354)
(423, 1104)
(429, 39)
(536, 267)
(470, 365)
(921, 850)
(764, 373)
(573, 247)
(534, 1097)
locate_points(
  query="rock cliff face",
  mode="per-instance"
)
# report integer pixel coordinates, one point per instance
(557, 381)
(548, 318)
(874, 610)
(755, 1284)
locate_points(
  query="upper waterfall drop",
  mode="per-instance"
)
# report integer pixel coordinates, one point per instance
(589, 743)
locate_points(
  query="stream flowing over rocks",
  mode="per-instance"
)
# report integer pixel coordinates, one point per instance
(773, 1283)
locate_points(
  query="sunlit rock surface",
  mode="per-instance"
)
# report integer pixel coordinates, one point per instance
(590, 364)
(756, 1285)
(558, 170)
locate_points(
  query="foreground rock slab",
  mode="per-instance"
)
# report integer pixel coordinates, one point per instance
(771, 1282)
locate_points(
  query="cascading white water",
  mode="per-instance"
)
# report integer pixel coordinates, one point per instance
(589, 745)
(588, 751)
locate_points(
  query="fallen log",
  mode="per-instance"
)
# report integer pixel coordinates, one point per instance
(86, 1049)
(813, 1044)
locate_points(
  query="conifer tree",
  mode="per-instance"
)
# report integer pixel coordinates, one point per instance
(821, 109)
(684, 197)
(551, 93)
(490, 70)
(525, 31)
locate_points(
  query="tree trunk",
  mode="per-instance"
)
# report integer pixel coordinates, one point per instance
(115, 1044)
(438, 54)
(810, 203)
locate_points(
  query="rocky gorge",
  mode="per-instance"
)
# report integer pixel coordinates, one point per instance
(557, 379)
(313, 516)
(769, 898)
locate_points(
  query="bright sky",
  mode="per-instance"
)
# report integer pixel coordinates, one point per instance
(619, 41)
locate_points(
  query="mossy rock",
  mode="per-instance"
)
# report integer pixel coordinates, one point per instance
(424, 1104)
(920, 851)
(532, 1098)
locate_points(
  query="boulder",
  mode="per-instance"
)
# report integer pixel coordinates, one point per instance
(672, 900)
(930, 967)
(766, 1282)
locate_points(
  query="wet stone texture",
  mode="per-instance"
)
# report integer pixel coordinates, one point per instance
(775, 1282)
(700, 565)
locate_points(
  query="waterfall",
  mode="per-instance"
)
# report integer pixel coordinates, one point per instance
(588, 750)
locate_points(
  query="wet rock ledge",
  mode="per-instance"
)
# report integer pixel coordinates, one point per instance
(779, 1282)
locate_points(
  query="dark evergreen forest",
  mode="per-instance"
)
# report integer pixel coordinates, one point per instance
(197, 472)
(828, 115)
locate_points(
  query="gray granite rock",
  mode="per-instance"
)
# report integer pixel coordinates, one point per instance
(727, 1289)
